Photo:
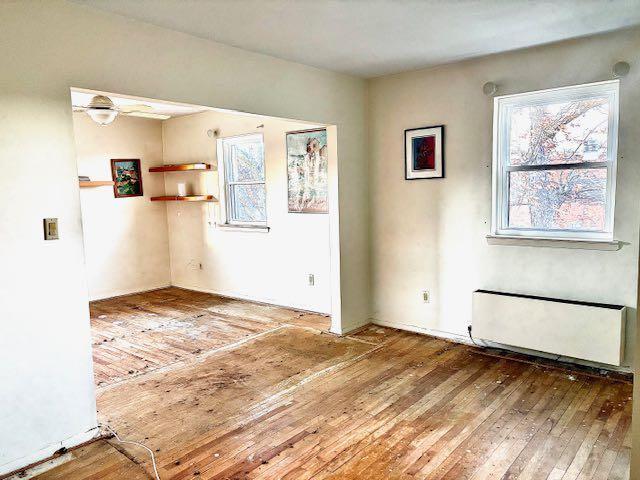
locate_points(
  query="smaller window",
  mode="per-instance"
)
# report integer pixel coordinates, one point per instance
(554, 169)
(242, 175)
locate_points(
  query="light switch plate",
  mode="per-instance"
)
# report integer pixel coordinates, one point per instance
(50, 228)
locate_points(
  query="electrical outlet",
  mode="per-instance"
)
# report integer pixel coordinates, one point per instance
(312, 279)
(425, 296)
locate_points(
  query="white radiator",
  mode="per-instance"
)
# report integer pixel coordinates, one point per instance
(589, 331)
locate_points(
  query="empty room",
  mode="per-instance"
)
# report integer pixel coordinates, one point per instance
(319, 239)
(158, 242)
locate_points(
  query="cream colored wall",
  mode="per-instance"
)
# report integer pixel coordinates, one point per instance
(430, 234)
(48, 46)
(126, 240)
(270, 267)
(420, 230)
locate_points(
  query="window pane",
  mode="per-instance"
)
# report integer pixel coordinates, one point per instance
(558, 199)
(249, 203)
(563, 132)
(247, 162)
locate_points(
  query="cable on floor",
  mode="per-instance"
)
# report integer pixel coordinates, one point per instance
(471, 336)
(120, 440)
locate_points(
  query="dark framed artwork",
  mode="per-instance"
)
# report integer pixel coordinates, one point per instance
(424, 152)
(307, 171)
(127, 177)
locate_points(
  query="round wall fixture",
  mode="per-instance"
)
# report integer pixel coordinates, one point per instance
(489, 89)
(620, 69)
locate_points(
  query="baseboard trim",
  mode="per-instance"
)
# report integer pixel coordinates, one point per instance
(353, 330)
(124, 293)
(45, 454)
(481, 343)
(426, 331)
(231, 295)
(237, 296)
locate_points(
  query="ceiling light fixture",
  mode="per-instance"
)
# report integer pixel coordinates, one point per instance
(102, 110)
(102, 116)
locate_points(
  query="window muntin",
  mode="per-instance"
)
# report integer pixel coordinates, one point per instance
(555, 162)
(244, 180)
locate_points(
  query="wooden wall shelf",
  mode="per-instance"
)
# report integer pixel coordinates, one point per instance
(92, 184)
(188, 198)
(185, 167)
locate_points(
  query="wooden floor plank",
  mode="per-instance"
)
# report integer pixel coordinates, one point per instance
(225, 389)
(143, 332)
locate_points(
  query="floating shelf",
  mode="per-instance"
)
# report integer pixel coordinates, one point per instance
(92, 184)
(188, 198)
(185, 167)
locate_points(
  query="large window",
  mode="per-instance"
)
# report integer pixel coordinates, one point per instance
(554, 166)
(242, 171)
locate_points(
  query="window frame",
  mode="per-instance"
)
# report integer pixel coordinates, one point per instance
(502, 107)
(227, 198)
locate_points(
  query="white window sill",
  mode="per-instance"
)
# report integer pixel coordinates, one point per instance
(610, 245)
(227, 227)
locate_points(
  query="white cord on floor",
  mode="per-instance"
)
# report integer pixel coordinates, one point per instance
(153, 457)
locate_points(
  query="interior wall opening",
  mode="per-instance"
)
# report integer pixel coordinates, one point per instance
(202, 228)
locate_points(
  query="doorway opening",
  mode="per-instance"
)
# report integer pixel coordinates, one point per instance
(203, 229)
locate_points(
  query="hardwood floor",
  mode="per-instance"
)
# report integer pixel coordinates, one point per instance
(139, 333)
(293, 402)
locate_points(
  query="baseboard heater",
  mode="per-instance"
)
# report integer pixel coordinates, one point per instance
(583, 330)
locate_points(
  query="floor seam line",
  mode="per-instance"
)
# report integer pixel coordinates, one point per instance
(192, 359)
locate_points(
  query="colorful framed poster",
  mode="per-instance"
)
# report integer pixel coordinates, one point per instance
(127, 178)
(424, 152)
(307, 171)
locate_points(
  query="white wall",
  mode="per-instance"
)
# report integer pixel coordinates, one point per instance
(126, 240)
(46, 373)
(430, 234)
(270, 267)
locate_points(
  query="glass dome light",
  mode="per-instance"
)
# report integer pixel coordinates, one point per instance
(102, 116)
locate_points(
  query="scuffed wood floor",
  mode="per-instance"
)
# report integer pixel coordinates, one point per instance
(139, 333)
(294, 402)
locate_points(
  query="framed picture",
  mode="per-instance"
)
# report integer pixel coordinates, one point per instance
(127, 178)
(307, 173)
(424, 152)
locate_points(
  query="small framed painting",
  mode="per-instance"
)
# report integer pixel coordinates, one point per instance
(127, 177)
(424, 152)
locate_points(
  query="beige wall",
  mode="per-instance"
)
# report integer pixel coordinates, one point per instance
(426, 234)
(48, 46)
(430, 234)
(126, 240)
(270, 267)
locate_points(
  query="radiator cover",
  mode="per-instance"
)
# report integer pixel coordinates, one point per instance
(584, 330)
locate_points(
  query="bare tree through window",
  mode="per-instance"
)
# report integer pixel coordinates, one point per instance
(244, 172)
(556, 164)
